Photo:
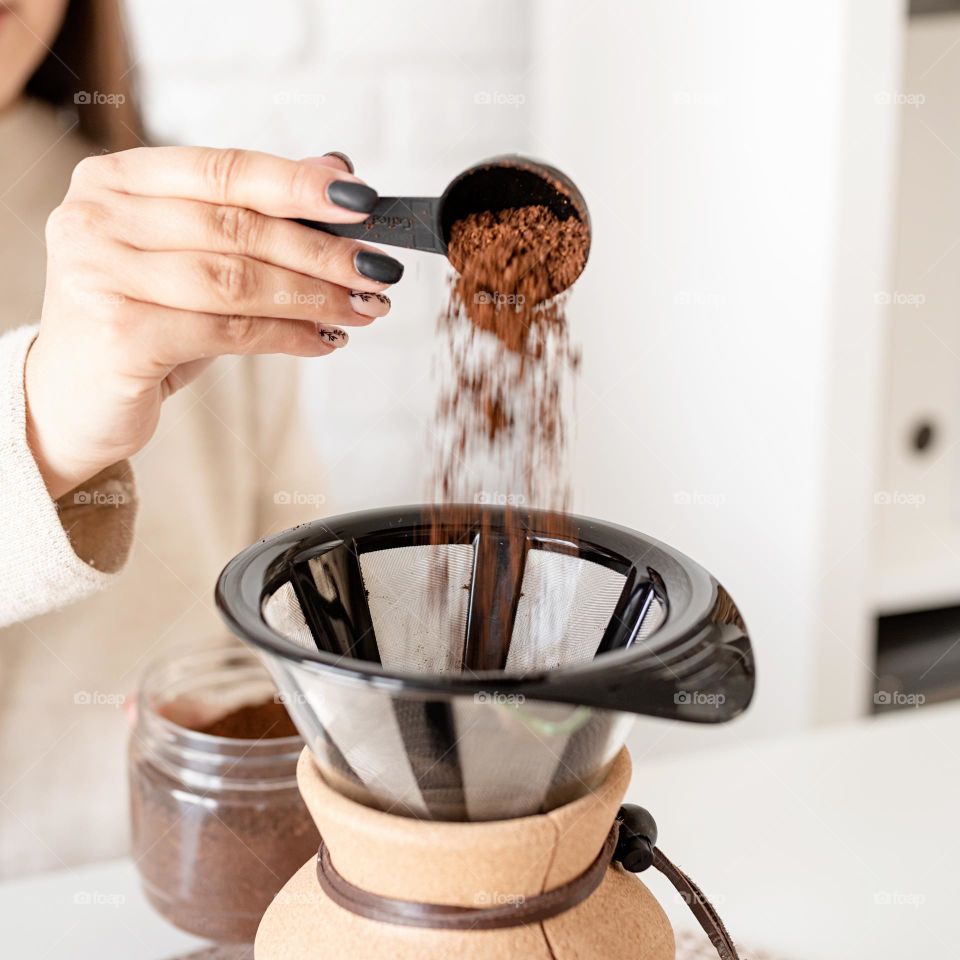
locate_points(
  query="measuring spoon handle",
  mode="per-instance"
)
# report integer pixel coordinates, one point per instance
(411, 222)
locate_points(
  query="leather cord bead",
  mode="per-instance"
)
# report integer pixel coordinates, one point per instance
(638, 837)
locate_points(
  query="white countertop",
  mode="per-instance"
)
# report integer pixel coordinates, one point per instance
(838, 845)
(89, 913)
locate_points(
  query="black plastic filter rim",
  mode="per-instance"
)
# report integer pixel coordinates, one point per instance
(698, 666)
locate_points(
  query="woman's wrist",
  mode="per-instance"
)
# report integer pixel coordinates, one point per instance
(59, 476)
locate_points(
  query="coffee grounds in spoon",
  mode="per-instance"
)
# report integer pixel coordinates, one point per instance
(511, 263)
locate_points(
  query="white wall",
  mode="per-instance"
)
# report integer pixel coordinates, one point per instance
(728, 305)
(736, 164)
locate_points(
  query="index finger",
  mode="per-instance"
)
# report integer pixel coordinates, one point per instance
(271, 185)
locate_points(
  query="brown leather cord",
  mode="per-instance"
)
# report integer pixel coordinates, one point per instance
(438, 916)
(701, 907)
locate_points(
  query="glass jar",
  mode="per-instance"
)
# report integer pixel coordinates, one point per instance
(218, 824)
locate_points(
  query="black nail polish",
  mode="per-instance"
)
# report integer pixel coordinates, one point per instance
(353, 196)
(378, 266)
(341, 156)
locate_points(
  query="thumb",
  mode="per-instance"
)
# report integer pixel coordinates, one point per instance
(334, 159)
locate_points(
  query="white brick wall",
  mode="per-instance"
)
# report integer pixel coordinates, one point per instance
(212, 34)
(414, 92)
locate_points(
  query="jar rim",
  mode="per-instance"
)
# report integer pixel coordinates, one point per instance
(174, 740)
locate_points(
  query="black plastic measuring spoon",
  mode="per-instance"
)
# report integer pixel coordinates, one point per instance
(424, 223)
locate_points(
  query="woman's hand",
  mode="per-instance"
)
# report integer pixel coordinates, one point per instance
(161, 259)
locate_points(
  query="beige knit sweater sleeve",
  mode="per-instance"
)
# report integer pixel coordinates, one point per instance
(52, 552)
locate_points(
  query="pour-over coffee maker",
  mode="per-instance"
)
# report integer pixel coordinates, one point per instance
(464, 760)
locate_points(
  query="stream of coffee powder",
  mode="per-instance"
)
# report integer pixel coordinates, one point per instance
(501, 415)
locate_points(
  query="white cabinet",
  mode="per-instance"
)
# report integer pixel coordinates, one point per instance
(918, 495)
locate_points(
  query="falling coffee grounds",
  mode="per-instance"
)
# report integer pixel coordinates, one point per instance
(500, 417)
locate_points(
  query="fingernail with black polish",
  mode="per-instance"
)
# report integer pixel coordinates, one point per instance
(341, 156)
(378, 266)
(353, 196)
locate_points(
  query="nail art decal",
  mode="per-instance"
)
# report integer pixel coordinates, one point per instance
(369, 304)
(332, 335)
(367, 297)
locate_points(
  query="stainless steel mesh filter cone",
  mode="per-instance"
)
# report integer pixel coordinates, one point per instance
(415, 696)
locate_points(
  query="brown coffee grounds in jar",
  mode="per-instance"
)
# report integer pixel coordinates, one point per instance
(256, 721)
(217, 832)
(499, 431)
